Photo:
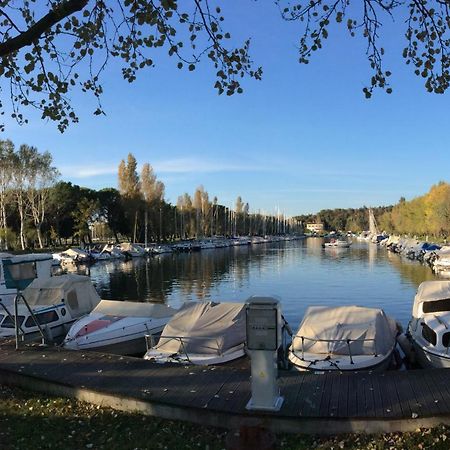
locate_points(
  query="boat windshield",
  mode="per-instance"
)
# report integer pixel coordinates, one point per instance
(9, 323)
(437, 306)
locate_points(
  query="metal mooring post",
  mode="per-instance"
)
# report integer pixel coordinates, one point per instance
(263, 316)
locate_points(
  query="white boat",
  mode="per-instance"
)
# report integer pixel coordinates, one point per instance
(429, 328)
(118, 327)
(202, 333)
(160, 249)
(73, 256)
(133, 250)
(441, 264)
(56, 302)
(42, 262)
(337, 243)
(343, 338)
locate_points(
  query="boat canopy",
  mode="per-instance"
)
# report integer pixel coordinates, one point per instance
(204, 328)
(433, 296)
(76, 291)
(133, 309)
(332, 330)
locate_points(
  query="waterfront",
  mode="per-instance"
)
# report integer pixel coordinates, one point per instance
(300, 272)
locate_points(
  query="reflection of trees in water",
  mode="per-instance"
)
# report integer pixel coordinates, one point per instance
(413, 271)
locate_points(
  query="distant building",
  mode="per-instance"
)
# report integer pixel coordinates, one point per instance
(315, 227)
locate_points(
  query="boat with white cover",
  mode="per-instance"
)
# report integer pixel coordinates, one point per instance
(202, 333)
(343, 338)
(56, 302)
(429, 328)
(441, 264)
(118, 327)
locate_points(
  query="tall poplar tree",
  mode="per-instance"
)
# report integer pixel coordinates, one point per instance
(129, 187)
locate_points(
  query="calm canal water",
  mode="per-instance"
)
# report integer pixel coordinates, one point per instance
(301, 273)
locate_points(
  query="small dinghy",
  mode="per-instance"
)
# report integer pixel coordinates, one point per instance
(202, 333)
(429, 328)
(118, 327)
(343, 338)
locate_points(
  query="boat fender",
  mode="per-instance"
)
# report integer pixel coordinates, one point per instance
(407, 347)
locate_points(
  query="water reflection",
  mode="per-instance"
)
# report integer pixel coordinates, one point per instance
(301, 273)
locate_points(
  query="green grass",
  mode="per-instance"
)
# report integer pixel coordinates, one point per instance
(34, 421)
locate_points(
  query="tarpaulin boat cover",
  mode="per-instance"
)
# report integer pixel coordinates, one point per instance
(205, 328)
(133, 309)
(76, 253)
(430, 291)
(369, 330)
(76, 291)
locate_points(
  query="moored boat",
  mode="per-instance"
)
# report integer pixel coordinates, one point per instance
(337, 243)
(56, 302)
(343, 338)
(429, 328)
(202, 333)
(118, 327)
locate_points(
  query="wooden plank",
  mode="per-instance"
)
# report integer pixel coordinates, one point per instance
(226, 394)
(314, 387)
(334, 398)
(369, 401)
(342, 410)
(405, 394)
(378, 408)
(389, 396)
(353, 399)
(324, 410)
(213, 387)
(436, 392)
(424, 397)
(290, 387)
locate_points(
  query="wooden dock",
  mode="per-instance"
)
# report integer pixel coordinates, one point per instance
(217, 396)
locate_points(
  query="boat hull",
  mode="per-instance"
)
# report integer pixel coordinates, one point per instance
(427, 359)
(311, 363)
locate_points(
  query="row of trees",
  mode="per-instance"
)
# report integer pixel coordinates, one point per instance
(428, 214)
(38, 210)
(350, 219)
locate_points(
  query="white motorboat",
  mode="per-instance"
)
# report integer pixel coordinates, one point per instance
(41, 262)
(441, 264)
(133, 250)
(429, 328)
(343, 338)
(118, 327)
(337, 243)
(73, 256)
(202, 333)
(56, 302)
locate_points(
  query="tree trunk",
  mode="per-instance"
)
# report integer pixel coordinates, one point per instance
(146, 226)
(135, 227)
(39, 235)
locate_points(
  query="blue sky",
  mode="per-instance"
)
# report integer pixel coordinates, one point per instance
(302, 139)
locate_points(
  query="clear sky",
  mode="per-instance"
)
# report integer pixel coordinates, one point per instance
(302, 139)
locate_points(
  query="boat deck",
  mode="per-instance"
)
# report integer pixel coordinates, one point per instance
(217, 396)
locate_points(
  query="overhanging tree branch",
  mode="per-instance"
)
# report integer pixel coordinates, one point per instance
(26, 38)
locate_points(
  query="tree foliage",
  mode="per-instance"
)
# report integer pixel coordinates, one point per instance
(48, 48)
(51, 47)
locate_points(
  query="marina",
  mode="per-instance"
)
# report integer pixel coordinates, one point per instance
(351, 390)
